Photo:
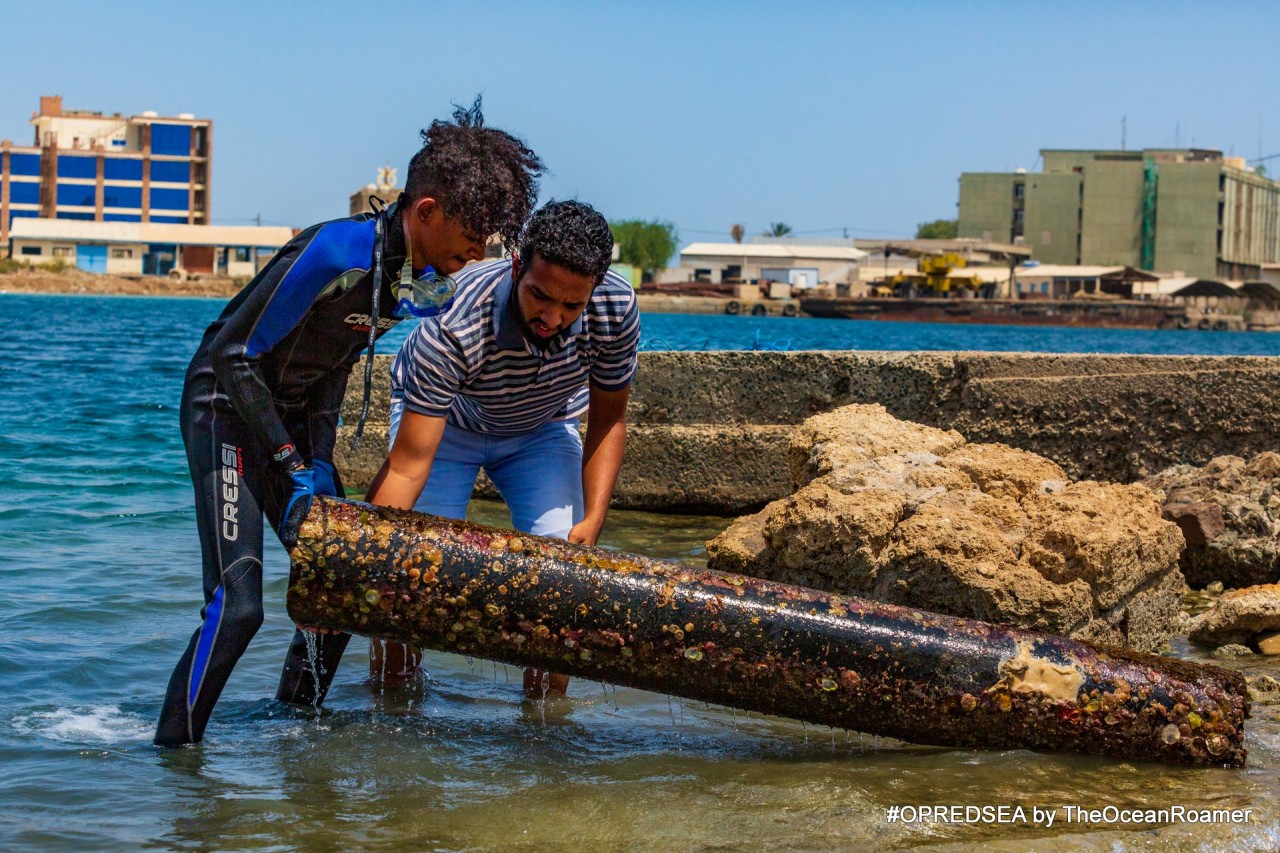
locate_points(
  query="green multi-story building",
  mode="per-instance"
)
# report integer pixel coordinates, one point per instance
(1188, 210)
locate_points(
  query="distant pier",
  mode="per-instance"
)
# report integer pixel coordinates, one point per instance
(1083, 313)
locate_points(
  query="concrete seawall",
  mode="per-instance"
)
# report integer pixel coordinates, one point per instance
(709, 430)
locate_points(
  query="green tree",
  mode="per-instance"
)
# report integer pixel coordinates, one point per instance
(938, 229)
(777, 229)
(646, 245)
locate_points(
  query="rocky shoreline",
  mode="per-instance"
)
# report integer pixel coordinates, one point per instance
(74, 281)
(1229, 512)
(918, 516)
(913, 515)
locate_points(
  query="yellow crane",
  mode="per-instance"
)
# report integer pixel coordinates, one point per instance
(934, 276)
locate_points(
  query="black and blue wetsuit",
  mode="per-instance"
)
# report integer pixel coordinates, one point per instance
(262, 394)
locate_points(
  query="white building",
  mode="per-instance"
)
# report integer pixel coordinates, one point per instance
(1059, 281)
(800, 265)
(1069, 281)
(147, 248)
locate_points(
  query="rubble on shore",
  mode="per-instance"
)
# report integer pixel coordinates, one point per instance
(913, 515)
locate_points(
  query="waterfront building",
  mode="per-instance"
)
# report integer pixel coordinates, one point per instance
(1261, 294)
(800, 264)
(1068, 281)
(90, 166)
(1270, 273)
(1209, 297)
(147, 248)
(1191, 210)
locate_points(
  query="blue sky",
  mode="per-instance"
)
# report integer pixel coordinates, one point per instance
(824, 115)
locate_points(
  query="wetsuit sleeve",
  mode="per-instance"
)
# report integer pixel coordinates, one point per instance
(276, 301)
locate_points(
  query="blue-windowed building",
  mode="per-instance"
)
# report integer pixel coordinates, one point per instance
(147, 248)
(91, 166)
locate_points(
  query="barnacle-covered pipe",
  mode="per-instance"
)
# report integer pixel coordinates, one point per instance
(749, 643)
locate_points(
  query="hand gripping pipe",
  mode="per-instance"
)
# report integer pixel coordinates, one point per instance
(749, 643)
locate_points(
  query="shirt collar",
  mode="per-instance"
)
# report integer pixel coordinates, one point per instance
(572, 332)
(506, 331)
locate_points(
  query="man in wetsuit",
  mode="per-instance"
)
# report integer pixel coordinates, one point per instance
(260, 403)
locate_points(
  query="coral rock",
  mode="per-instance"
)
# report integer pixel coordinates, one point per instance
(1239, 616)
(913, 515)
(860, 433)
(1229, 511)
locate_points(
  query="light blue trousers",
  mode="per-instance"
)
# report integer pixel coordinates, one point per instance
(538, 474)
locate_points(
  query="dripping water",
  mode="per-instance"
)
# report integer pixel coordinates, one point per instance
(314, 664)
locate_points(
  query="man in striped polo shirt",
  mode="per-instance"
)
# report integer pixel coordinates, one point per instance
(499, 380)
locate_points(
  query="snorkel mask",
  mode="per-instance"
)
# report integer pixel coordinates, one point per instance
(424, 295)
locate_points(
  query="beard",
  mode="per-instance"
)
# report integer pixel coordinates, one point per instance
(530, 335)
(522, 322)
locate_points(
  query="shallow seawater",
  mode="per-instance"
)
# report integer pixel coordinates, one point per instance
(100, 581)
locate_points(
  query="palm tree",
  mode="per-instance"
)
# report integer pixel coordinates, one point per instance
(777, 229)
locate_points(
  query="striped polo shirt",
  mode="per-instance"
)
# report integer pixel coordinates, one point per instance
(472, 364)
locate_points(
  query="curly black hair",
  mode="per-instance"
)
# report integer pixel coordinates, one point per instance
(570, 234)
(486, 178)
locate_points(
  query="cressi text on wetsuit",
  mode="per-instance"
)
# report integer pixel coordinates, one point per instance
(262, 396)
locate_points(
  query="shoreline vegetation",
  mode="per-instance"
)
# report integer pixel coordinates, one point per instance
(73, 281)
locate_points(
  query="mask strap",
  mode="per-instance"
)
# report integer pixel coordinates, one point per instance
(406, 271)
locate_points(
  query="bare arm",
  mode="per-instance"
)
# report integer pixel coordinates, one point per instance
(404, 474)
(602, 453)
(398, 483)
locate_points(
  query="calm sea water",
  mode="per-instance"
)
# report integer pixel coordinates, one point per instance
(719, 332)
(99, 567)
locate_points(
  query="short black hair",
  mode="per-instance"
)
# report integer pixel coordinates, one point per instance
(485, 178)
(570, 234)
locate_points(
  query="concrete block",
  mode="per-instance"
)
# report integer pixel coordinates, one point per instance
(1107, 417)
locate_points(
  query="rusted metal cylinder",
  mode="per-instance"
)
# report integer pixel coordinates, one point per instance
(751, 644)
